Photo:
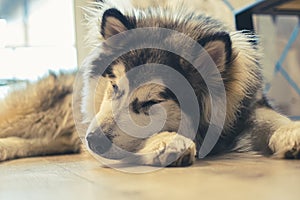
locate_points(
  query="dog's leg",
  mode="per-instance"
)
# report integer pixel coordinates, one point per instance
(276, 133)
(167, 149)
(16, 147)
(36, 130)
(37, 138)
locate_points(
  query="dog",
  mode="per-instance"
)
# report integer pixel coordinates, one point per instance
(112, 113)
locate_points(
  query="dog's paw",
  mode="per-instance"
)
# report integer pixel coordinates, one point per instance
(4, 154)
(11, 148)
(185, 159)
(169, 149)
(285, 142)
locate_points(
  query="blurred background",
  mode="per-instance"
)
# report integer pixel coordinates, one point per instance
(36, 35)
(41, 35)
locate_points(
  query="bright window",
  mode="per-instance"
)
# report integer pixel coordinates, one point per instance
(36, 36)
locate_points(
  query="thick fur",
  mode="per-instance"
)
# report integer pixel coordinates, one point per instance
(37, 120)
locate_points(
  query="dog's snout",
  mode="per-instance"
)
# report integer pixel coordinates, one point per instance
(98, 143)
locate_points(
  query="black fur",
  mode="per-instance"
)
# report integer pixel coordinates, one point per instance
(118, 15)
(221, 36)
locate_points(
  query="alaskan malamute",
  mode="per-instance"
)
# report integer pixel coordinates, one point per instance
(116, 110)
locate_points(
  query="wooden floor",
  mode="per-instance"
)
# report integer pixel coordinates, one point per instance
(82, 177)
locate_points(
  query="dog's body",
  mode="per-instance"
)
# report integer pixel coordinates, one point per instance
(38, 120)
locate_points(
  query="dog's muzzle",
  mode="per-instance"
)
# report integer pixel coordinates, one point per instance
(98, 142)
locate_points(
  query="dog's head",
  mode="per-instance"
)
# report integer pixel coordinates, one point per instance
(120, 110)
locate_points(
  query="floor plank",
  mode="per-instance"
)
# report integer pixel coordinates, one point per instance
(82, 177)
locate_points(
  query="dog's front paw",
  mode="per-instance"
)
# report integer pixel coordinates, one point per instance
(285, 142)
(185, 159)
(169, 149)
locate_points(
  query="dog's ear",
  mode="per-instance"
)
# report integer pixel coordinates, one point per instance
(218, 46)
(114, 22)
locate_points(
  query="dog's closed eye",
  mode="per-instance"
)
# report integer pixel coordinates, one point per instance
(117, 92)
(116, 88)
(143, 106)
(147, 104)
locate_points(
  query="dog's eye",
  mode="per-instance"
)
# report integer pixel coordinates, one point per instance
(149, 103)
(143, 106)
(116, 88)
(117, 92)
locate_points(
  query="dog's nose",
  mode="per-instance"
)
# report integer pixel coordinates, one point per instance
(98, 143)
